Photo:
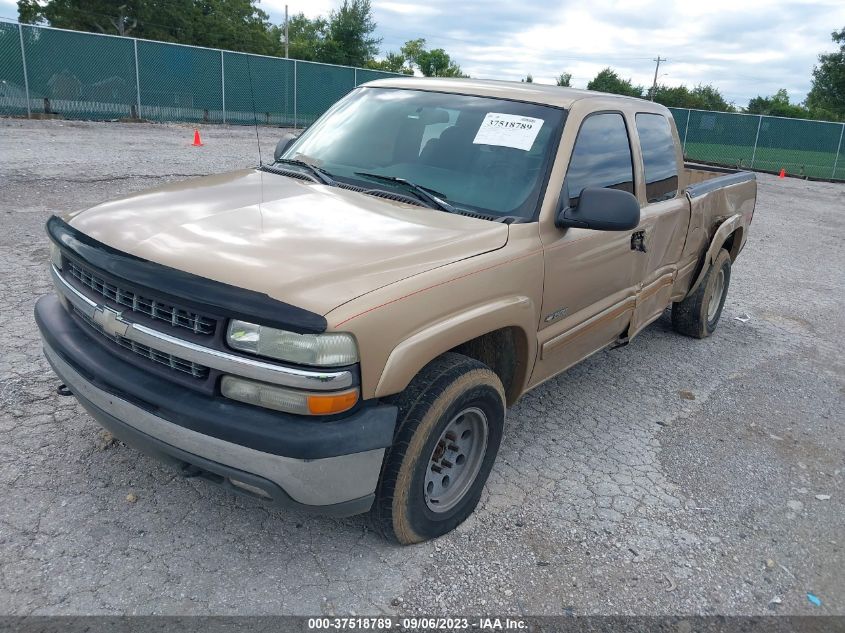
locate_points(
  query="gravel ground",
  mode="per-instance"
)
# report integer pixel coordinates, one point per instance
(613, 492)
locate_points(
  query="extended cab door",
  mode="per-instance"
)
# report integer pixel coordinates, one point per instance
(664, 217)
(590, 281)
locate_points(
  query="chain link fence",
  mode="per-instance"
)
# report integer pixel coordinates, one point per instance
(89, 76)
(767, 143)
(75, 75)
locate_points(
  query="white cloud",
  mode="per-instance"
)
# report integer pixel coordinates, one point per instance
(311, 8)
(407, 8)
(744, 48)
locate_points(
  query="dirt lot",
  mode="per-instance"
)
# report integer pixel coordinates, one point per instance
(612, 494)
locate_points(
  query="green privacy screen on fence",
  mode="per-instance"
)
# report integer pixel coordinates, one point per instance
(752, 141)
(89, 76)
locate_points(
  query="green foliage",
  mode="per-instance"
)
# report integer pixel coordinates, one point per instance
(564, 80)
(702, 97)
(708, 97)
(827, 94)
(431, 63)
(528, 80)
(609, 81)
(345, 37)
(392, 63)
(231, 24)
(437, 63)
(307, 37)
(412, 49)
(351, 41)
(777, 105)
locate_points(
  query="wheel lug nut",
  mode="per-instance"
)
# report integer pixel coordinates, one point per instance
(451, 436)
(446, 463)
(454, 447)
(436, 468)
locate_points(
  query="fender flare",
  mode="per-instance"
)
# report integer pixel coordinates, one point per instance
(725, 229)
(415, 352)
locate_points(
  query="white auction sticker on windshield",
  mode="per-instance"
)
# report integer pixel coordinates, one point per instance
(508, 130)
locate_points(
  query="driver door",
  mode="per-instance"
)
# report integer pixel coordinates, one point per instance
(591, 277)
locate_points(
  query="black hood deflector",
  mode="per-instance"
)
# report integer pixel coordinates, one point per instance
(192, 291)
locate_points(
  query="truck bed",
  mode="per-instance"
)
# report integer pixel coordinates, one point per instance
(720, 199)
(697, 175)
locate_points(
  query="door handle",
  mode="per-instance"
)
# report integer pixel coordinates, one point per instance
(638, 241)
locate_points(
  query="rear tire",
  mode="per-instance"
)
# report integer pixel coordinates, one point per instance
(699, 313)
(448, 432)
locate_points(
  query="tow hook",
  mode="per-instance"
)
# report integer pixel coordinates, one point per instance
(62, 390)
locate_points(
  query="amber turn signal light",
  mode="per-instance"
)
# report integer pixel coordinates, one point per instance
(332, 403)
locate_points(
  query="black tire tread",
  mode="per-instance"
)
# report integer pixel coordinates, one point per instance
(689, 316)
(413, 403)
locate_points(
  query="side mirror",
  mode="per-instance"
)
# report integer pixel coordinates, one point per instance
(283, 144)
(602, 209)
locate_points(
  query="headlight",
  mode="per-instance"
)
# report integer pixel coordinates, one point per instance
(333, 349)
(281, 399)
(55, 255)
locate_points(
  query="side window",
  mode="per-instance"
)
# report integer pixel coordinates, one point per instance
(658, 148)
(601, 157)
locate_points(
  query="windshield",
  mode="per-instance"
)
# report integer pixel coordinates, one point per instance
(479, 154)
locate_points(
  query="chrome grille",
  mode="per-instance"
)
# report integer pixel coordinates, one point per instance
(174, 362)
(152, 308)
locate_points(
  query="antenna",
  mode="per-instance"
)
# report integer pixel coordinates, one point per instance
(254, 115)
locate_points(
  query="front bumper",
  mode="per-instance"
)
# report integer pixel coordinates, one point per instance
(331, 467)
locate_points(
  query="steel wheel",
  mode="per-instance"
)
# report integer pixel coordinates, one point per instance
(456, 460)
(716, 296)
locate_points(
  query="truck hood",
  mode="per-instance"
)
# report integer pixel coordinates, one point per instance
(306, 244)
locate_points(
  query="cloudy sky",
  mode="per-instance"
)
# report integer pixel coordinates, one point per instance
(744, 47)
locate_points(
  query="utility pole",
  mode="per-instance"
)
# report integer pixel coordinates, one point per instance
(656, 69)
(286, 31)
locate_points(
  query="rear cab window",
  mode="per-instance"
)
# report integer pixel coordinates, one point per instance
(601, 156)
(659, 159)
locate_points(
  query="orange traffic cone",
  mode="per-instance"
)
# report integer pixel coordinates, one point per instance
(782, 173)
(197, 142)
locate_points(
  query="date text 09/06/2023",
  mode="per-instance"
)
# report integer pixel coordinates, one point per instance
(416, 624)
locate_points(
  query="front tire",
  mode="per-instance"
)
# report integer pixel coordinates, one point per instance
(698, 314)
(450, 424)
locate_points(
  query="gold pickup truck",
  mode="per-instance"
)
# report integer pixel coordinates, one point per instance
(343, 329)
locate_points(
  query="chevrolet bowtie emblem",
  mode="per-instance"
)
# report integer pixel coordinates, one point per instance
(111, 321)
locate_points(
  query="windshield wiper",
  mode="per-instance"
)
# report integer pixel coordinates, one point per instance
(424, 193)
(319, 173)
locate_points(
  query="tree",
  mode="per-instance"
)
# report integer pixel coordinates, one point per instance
(307, 37)
(351, 28)
(674, 96)
(437, 63)
(777, 105)
(232, 24)
(392, 63)
(411, 50)
(431, 63)
(708, 97)
(702, 97)
(564, 80)
(609, 81)
(826, 98)
(528, 80)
